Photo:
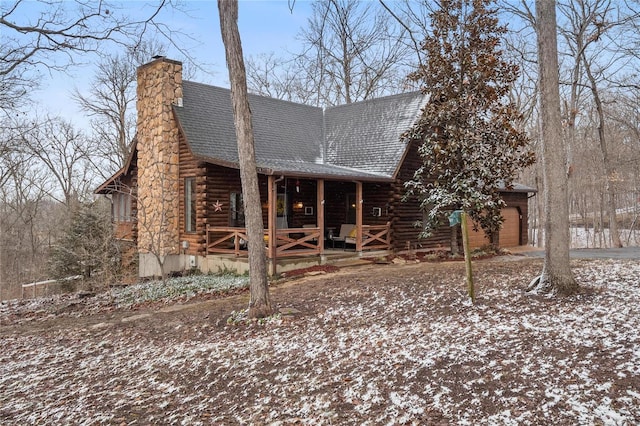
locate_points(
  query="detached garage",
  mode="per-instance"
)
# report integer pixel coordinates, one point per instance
(514, 228)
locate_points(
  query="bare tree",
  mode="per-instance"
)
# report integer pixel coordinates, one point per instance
(595, 70)
(278, 77)
(43, 35)
(413, 17)
(110, 103)
(26, 222)
(64, 152)
(55, 35)
(259, 303)
(587, 23)
(153, 221)
(351, 51)
(556, 274)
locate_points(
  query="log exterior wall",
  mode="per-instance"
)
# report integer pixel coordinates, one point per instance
(404, 214)
(190, 167)
(373, 195)
(134, 199)
(376, 195)
(302, 195)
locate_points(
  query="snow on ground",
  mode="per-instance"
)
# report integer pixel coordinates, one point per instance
(168, 291)
(406, 350)
(581, 237)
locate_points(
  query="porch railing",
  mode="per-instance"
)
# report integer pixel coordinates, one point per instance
(289, 241)
(297, 242)
(376, 237)
(226, 240)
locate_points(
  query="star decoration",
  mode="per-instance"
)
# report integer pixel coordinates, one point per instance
(217, 206)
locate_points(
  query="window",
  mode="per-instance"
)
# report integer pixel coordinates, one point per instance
(121, 208)
(236, 210)
(190, 205)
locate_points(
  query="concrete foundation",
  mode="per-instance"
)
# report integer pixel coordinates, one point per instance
(211, 264)
(149, 266)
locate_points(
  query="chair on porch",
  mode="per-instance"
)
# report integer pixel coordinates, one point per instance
(347, 231)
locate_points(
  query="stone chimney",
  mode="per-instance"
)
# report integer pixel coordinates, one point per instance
(159, 87)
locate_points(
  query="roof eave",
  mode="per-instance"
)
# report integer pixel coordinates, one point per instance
(102, 189)
(266, 171)
(359, 178)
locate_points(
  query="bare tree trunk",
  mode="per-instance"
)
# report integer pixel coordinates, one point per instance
(609, 170)
(540, 213)
(602, 221)
(556, 274)
(259, 303)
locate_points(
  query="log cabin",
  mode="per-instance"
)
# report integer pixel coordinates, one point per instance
(179, 196)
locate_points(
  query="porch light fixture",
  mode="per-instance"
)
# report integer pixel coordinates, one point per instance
(299, 205)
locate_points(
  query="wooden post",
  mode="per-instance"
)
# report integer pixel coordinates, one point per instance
(467, 256)
(271, 222)
(320, 212)
(359, 202)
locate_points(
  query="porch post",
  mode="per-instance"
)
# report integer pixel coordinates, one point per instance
(359, 217)
(320, 212)
(271, 222)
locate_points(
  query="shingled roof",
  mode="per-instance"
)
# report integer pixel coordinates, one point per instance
(358, 141)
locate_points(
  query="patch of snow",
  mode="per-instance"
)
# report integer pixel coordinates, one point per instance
(396, 357)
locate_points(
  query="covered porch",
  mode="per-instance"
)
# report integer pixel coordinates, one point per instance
(304, 222)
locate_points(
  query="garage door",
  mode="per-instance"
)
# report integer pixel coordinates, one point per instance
(509, 234)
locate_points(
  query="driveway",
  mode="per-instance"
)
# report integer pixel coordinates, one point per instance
(584, 253)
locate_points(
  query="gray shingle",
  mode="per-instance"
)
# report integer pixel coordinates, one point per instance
(366, 135)
(282, 130)
(359, 140)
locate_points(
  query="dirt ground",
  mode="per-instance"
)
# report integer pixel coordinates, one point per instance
(379, 344)
(305, 293)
